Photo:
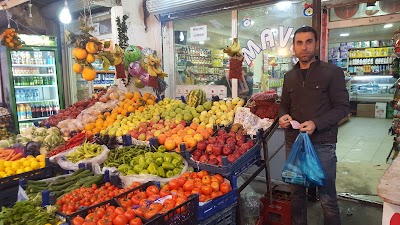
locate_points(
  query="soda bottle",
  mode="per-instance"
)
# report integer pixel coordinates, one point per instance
(42, 110)
(48, 109)
(57, 108)
(28, 110)
(36, 95)
(23, 112)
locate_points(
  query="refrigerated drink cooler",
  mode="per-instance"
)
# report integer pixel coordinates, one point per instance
(31, 78)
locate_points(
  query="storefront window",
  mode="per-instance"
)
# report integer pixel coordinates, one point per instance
(199, 44)
(255, 28)
(363, 10)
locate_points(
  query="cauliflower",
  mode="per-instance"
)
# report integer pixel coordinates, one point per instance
(53, 141)
(38, 139)
(53, 130)
(41, 131)
(4, 144)
(29, 131)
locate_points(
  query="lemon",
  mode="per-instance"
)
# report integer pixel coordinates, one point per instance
(22, 160)
(35, 165)
(2, 167)
(19, 171)
(41, 158)
(2, 161)
(7, 164)
(27, 163)
(30, 157)
(27, 169)
(10, 172)
(16, 165)
(42, 164)
(3, 174)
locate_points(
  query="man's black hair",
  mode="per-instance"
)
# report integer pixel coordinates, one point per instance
(305, 29)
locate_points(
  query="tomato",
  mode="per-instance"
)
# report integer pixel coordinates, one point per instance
(178, 202)
(130, 214)
(126, 203)
(153, 197)
(137, 197)
(206, 189)
(196, 191)
(189, 185)
(150, 213)
(206, 179)
(202, 198)
(151, 190)
(94, 186)
(143, 202)
(213, 195)
(119, 211)
(201, 174)
(100, 212)
(181, 181)
(219, 177)
(136, 221)
(215, 186)
(173, 184)
(91, 217)
(157, 206)
(120, 220)
(107, 184)
(78, 220)
(225, 188)
(110, 208)
(198, 185)
(140, 211)
(169, 201)
(89, 223)
(104, 222)
(165, 191)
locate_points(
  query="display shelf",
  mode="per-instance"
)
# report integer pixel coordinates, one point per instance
(32, 86)
(33, 65)
(49, 100)
(33, 119)
(368, 57)
(28, 75)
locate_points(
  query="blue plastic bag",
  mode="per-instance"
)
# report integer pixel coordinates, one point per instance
(303, 166)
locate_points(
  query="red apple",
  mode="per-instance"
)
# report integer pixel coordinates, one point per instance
(219, 158)
(226, 136)
(183, 123)
(209, 148)
(236, 147)
(196, 157)
(197, 153)
(212, 156)
(221, 132)
(202, 145)
(232, 134)
(250, 143)
(231, 158)
(213, 161)
(135, 134)
(217, 149)
(226, 150)
(203, 158)
(231, 140)
(240, 137)
(243, 150)
(237, 154)
(220, 139)
(212, 140)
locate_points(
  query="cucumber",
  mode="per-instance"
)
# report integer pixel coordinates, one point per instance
(96, 178)
(61, 187)
(36, 182)
(73, 177)
(36, 189)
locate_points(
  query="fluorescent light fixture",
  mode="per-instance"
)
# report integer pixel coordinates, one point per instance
(389, 25)
(344, 34)
(201, 42)
(283, 5)
(65, 15)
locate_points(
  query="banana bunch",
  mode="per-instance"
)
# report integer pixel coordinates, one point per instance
(107, 59)
(234, 49)
(118, 54)
(154, 67)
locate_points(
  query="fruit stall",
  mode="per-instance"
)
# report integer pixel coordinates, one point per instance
(122, 157)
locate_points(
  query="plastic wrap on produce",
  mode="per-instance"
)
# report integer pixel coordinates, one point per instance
(250, 122)
(64, 163)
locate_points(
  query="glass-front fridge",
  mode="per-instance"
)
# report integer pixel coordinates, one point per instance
(33, 74)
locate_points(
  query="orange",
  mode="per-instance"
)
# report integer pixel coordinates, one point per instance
(150, 102)
(100, 117)
(170, 144)
(119, 109)
(141, 108)
(131, 109)
(129, 95)
(198, 137)
(205, 134)
(126, 106)
(186, 138)
(194, 126)
(91, 47)
(161, 138)
(168, 133)
(77, 68)
(88, 74)
(210, 130)
(80, 53)
(90, 58)
(136, 95)
(124, 112)
(191, 142)
(121, 104)
(178, 140)
(107, 114)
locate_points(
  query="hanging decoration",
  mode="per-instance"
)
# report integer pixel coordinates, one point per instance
(87, 50)
(10, 39)
(235, 61)
(308, 10)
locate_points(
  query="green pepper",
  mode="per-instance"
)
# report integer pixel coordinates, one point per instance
(141, 159)
(130, 172)
(180, 166)
(177, 171)
(161, 172)
(161, 148)
(152, 169)
(137, 168)
(169, 174)
(159, 161)
(123, 168)
(167, 158)
(149, 160)
(134, 161)
(168, 166)
(148, 155)
(190, 169)
(176, 156)
(157, 155)
(144, 171)
(176, 162)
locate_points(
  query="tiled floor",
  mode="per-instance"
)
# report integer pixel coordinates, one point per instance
(364, 140)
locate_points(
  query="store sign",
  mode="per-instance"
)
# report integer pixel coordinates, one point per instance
(267, 39)
(198, 33)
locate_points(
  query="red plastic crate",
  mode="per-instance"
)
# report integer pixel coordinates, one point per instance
(279, 212)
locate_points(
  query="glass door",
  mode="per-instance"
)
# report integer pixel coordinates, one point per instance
(35, 84)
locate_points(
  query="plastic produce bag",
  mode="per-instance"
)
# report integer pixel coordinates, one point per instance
(303, 166)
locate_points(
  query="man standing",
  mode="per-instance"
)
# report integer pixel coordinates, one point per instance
(315, 95)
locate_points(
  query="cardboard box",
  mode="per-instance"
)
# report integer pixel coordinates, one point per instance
(366, 110)
(380, 110)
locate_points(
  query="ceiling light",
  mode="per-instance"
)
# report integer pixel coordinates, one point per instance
(344, 34)
(65, 15)
(201, 42)
(283, 5)
(389, 25)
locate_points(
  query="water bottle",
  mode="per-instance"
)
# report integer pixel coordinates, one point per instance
(26, 97)
(36, 95)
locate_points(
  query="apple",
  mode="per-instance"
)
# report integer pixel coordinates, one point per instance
(135, 134)
(183, 123)
(197, 153)
(226, 150)
(142, 137)
(196, 157)
(219, 158)
(250, 143)
(231, 140)
(243, 150)
(232, 134)
(240, 137)
(221, 132)
(237, 154)
(212, 156)
(236, 147)
(213, 161)
(203, 158)
(209, 148)
(212, 140)
(231, 158)
(217, 149)
(202, 145)
(149, 136)
(226, 136)
(220, 139)
(231, 146)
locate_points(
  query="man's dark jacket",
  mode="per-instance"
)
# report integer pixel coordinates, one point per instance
(321, 97)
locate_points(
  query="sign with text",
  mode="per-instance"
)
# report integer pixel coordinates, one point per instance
(198, 33)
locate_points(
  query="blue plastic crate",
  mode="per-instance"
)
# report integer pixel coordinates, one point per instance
(225, 217)
(216, 205)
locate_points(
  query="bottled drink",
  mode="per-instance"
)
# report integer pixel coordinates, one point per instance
(45, 80)
(26, 95)
(42, 110)
(22, 112)
(31, 81)
(57, 108)
(48, 109)
(36, 95)
(28, 110)
(40, 80)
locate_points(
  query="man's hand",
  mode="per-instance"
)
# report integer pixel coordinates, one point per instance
(308, 127)
(284, 121)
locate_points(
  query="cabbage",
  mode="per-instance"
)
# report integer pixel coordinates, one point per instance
(41, 131)
(53, 130)
(29, 131)
(38, 139)
(4, 144)
(53, 141)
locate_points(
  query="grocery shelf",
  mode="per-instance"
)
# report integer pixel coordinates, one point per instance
(33, 119)
(27, 75)
(31, 86)
(48, 100)
(33, 65)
